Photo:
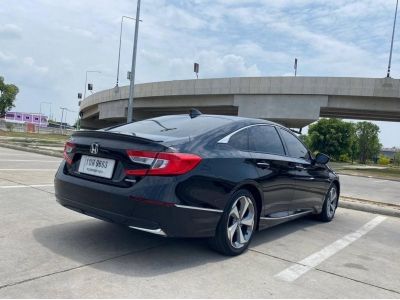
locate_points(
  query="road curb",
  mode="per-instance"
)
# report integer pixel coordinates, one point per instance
(32, 150)
(370, 206)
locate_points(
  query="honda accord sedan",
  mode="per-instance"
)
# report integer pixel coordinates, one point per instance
(196, 175)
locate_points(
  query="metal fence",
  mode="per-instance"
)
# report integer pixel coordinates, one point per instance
(25, 127)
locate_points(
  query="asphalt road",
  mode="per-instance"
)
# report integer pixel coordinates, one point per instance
(48, 251)
(379, 190)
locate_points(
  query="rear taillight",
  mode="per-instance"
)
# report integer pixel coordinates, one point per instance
(162, 163)
(69, 152)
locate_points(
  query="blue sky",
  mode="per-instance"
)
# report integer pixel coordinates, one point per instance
(47, 45)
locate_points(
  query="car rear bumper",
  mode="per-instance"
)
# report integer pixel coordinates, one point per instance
(123, 206)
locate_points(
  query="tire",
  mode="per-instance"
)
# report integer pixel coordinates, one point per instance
(236, 227)
(330, 204)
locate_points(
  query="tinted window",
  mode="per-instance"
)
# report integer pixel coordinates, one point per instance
(240, 140)
(265, 139)
(295, 147)
(173, 126)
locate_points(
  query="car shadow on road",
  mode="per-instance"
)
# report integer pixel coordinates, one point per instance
(120, 250)
(279, 231)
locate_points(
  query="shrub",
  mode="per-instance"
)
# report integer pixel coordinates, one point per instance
(383, 160)
(344, 158)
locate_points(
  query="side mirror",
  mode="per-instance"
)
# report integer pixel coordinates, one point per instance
(322, 159)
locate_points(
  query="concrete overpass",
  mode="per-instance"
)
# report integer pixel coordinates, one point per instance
(292, 101)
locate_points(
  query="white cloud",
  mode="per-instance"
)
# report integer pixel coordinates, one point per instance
(51, 44)
(10, 31)
(30, 62)
(6, 58)
(228, 65)
(79, 31)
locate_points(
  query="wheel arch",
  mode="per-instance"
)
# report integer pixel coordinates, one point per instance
(255, 190)
(337, 183)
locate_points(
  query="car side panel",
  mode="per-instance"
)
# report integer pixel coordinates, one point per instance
(276, 182)
(312, 183)
(215, 181)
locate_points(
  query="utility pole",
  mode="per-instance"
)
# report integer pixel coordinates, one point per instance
(391, 45)
(295, 67)
(133, 68)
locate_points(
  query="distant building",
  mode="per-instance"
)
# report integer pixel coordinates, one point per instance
(390, 152)
(32, 118)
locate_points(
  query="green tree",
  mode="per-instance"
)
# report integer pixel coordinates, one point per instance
(354, 149)
(8, 92)
(367, 140)
(305, 139)
(333, 137)
(396, 160)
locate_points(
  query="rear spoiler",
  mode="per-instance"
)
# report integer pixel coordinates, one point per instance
(115, 136)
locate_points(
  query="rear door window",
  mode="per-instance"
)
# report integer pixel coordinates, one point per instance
(265, 139)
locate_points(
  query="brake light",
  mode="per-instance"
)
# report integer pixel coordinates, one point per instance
(69, 152)
(162, 163)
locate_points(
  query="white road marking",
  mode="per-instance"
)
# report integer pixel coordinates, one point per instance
(29, 160)
(380, 181)
(295, 271)
(17, 154)
(25, 186)
(28, 169)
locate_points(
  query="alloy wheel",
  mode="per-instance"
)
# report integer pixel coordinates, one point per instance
(241, 222)
(331, 202)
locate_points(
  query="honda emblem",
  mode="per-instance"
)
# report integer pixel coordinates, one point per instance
(94, 148)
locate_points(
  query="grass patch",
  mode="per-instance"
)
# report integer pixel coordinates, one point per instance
(42, 138)
(378, 171)
(387, 172)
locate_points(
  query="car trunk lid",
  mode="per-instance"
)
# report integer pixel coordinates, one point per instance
(103, 156)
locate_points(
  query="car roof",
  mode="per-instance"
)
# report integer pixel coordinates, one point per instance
(238, 119)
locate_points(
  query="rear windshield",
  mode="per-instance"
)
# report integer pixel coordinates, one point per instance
(173, 126)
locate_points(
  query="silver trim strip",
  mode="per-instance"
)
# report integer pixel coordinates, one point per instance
(289, 216)
(199, 208)
(158, 231)
(225, 140)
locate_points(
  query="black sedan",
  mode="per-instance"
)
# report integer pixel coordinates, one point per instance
(196, 175)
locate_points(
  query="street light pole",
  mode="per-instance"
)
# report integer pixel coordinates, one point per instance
(391, 45)
(62, 116)
(119, 50)
(84, 93)
(132, 83)
(40, 112)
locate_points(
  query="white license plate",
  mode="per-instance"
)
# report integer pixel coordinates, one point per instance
(102, 167)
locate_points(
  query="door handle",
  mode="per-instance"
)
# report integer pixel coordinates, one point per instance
(299, 167)
(263, 165)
